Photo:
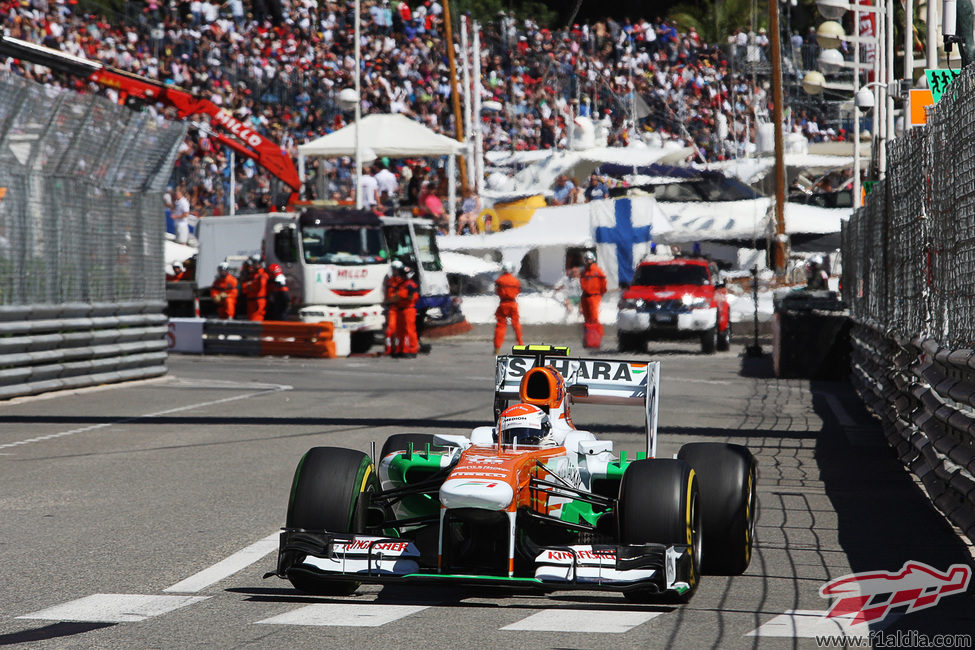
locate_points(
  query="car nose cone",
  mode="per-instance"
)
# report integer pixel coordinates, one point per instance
(487, 494)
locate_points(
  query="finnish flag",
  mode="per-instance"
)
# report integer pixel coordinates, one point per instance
(623, 230)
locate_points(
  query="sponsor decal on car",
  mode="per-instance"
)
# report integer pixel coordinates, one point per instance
(870, 596)
(476, 473)
(576, 370)
(363, 545)
(562, 556)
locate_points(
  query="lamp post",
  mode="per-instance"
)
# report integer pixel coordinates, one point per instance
(779, 258)
(830, 34)
(358, 104)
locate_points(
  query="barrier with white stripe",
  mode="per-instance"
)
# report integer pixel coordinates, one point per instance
(74, 345)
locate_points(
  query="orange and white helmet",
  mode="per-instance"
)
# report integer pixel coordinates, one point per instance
(524, 424)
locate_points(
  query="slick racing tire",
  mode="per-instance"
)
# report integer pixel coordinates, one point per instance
(709, 340)
(659, 503)
(331, 491)
(726, 475)
(401, 442)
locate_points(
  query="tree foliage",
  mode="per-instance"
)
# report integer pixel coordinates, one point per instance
(715, 20)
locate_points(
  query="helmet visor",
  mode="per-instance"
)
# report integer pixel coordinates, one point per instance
(521, 436)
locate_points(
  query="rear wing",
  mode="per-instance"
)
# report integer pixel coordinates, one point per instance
(600, 381)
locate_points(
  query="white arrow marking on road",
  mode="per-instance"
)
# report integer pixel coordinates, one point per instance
(573, 620)
(113, 608)
(227, 567)
(351, 615)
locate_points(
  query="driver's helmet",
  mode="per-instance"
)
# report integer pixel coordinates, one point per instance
(524, 424)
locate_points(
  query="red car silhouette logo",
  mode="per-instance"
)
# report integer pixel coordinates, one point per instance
(871, 596)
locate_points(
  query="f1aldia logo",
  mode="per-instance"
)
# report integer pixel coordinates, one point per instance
(870, 596)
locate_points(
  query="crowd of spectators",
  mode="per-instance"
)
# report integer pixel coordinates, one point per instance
(279, 64)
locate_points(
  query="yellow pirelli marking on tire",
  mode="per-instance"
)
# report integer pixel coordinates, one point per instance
(748, 518)
(690, 527)
(365, 477)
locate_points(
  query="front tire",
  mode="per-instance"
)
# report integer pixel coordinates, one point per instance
(724, 338)
(360, 342)
(627, 341)
(726, 474)
(330, 491)
(709, 340)
(659, 503)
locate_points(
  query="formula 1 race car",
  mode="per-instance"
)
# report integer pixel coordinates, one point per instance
(529, 503)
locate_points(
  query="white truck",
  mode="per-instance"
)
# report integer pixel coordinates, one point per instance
(335, 260)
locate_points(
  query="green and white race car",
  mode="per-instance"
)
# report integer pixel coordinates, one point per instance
(530, 502)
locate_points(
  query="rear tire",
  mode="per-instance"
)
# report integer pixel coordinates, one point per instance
(401, 442)
(726, 474)
(659, 503)
(330, 491)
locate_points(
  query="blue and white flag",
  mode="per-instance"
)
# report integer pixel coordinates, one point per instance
(623, 230)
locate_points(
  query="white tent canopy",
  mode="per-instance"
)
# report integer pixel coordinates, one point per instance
(391, 135)
(395, 135)
(544, 167)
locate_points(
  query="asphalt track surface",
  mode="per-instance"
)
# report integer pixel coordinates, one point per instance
(144, 515)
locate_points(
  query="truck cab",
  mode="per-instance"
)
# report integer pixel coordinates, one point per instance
(336, 261)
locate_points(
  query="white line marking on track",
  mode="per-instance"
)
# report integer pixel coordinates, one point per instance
(806, 623)
(351, 615)
(113, 608)
(573, 620)
(276, 388)
(689, 380)
(226, 567)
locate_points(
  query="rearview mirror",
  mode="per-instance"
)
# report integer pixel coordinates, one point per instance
(578, 390)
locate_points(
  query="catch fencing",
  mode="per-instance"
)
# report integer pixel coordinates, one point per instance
(81, 230)
(909, 278)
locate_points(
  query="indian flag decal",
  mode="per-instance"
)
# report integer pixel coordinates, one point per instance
(638, 368)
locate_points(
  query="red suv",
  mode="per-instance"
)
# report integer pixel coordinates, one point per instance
(678, 298)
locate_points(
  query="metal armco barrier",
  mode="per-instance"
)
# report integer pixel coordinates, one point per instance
(74, 345)
(908, 272)
(924, 395)
(269, 338)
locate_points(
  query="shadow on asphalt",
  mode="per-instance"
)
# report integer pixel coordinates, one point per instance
(883, 518)
(446, 596)
(48, 632)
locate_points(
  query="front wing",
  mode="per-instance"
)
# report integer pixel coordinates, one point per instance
(654, 568)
